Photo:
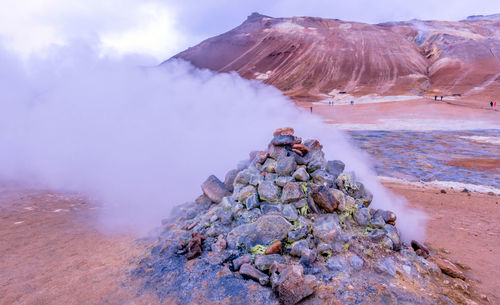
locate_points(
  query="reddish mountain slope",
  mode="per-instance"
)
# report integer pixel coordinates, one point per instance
(307, 57)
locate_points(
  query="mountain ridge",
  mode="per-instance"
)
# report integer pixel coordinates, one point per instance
(311, 58)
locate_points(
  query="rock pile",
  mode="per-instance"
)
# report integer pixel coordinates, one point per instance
(290, 227)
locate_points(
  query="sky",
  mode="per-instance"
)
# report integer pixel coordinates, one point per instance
(158, 29)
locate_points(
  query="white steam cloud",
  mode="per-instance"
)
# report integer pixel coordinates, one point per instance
(142, 140)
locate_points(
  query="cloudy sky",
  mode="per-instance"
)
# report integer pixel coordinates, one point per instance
(161, 28)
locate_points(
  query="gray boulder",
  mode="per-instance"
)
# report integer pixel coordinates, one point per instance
(335, 167)
(282, 140)
(245, 192)
(322, 177)
(252, 202)
(292, 191)
(263, 231)
(326, 227)
(214, 189)
(301, 174)
(362, 216)
(289, 212)
(290, 283)
(263, 262)
(285, 166)
(248, 271)
(270, 165)
(268, 191)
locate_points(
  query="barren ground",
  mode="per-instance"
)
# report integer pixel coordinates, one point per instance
(460, 109)
(52, 252)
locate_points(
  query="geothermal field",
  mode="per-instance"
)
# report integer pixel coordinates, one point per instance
(297, 160)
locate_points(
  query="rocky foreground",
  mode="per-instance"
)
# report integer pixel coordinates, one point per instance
(291, 227)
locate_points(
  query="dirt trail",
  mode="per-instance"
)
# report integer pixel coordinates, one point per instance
(52, 254)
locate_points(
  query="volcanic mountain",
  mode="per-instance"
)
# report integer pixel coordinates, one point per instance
(313, 58)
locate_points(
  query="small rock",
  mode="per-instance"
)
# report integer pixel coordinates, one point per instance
(388, 216)
(290, 284)
(300, 247)
(356, 262)
(420, 249)
(245, 192)
(393, 234)
(229, 179)
(214, 189)
(263, 231)
(277, 152)
(301, 174)
(256, 179)
(274, 248)
(260, 157)
(326, 227)
(292, 191)
(193, 246)
(289, 212)
(252, 202)
(243, 177)
(244, 259)
(376, 235)
(263, 262)
(322, 197)
(248, 271)
(298, 233)
(322, 177)
(283, 140)
(315, 160)
(443, 191)
(377, 221)
(284, 131)
(286, 166)
(447, 267)
(300, 204)
(220, 244)
(335, 167)
(270, 177)
(362, 216)
(268, 191)
(270, 165)
(270, 207)
(281, 181)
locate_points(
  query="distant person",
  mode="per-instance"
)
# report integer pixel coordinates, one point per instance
(495, 105)
(352, 102)
(311, 108)
(435, 97)
(441, 97)
(491, 104)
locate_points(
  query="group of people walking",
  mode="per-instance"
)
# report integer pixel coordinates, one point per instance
(493, 104)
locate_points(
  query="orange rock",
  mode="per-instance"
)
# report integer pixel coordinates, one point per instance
(274, 248)
(448, 267)
(284, 131)
(300, 147)
(298, 152)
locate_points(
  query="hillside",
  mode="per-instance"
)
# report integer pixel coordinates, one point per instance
(313, 58)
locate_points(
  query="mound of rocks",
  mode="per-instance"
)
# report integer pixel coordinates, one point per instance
(289, 227)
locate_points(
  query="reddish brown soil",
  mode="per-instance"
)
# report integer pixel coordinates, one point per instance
(51, 253)
(465, 109)
(463, 228)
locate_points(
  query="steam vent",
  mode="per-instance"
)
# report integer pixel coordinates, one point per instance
(290, 227)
